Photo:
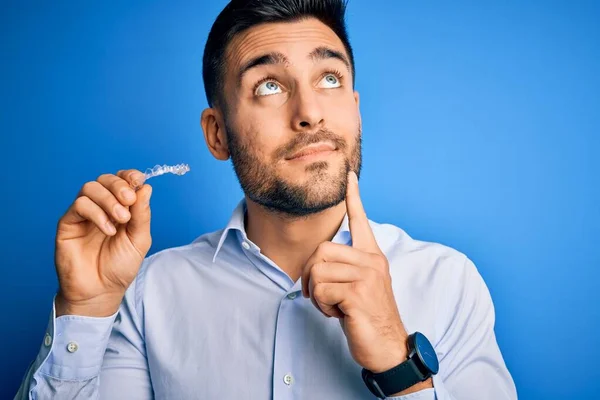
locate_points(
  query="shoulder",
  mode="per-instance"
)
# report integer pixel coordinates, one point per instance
(423, 269)
(396, 242)
(431, 263)
(167, 263)
(164, 262)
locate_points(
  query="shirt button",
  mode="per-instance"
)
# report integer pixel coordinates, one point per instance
(292, 296)
(288, 379)
(47, 340)
(72, 347)
(245, 245)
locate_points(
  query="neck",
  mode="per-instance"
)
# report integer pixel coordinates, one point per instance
(289, 241)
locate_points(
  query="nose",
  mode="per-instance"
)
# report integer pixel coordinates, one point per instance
(308, 113)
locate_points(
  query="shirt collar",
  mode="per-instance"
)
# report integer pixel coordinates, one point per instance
(236, 222)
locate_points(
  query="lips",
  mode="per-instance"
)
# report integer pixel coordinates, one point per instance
(311, 149)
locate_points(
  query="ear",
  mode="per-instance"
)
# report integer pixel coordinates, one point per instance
(214, 133)
(357, 100)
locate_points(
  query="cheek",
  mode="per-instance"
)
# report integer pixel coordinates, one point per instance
(343, 117)
(340, 102)
(258, 135)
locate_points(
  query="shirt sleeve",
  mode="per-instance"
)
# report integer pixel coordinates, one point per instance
(425, 394)
(91, 358)
(471, 364)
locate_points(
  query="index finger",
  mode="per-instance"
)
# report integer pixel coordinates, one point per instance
(360, 230)
(134, 177)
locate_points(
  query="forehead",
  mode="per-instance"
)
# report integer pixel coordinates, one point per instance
(294, 39)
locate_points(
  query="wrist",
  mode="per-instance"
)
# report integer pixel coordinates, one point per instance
(411, 374)
(98, 307)
(395, 361)
(397, 354)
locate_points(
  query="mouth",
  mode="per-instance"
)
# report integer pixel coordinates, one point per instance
(313, 151)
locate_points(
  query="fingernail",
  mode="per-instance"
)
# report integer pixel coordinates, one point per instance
(110, 228)
(147, 202)
(122, 213)
(353, 177)
(128, 194)
(136, 180)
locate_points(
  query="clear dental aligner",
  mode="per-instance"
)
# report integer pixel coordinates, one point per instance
(157, 170)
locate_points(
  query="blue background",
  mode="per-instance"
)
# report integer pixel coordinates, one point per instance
(481, 132)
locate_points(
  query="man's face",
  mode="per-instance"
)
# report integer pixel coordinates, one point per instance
(288, 90)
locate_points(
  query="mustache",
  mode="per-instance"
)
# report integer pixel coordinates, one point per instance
(304, 139)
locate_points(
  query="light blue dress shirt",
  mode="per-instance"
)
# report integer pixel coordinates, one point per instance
(216, 319)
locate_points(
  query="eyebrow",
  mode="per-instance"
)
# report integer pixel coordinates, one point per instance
(277, 58)
(323, 53)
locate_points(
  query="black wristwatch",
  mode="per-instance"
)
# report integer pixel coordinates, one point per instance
(421, 364)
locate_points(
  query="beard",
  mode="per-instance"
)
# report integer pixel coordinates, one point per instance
(260, 182)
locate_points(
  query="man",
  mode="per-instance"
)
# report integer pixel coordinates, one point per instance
(300, 296)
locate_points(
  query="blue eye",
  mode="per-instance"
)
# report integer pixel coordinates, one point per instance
(268, 88)
(330, 81)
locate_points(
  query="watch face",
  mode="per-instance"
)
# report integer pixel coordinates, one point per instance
(426, 352)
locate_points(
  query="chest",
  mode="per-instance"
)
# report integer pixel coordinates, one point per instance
(257, 348)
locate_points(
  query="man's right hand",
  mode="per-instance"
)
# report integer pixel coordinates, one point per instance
(101, 242)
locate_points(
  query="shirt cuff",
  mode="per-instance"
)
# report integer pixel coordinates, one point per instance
(425, 394)
(74, 346)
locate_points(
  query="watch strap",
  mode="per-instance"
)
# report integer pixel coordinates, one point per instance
(399, 378)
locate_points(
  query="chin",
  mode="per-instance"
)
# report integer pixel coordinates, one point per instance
(324, 189)
(319, 174)
(302, 194)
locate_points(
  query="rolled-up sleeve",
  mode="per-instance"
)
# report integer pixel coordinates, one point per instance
(471, 364)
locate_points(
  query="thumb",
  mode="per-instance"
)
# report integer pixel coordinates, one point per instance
(138, 227)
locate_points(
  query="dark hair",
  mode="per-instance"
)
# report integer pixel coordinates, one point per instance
(240, 15)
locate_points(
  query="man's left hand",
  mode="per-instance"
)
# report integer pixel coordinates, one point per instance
(354, 285)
